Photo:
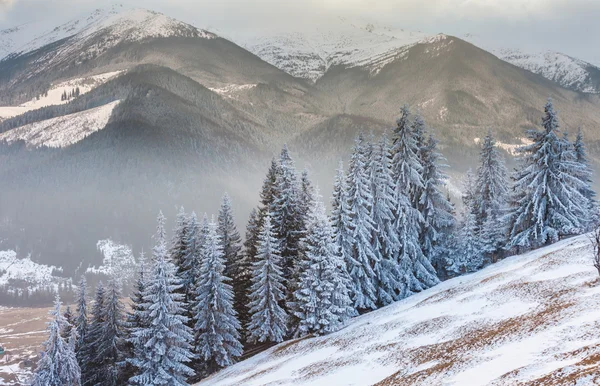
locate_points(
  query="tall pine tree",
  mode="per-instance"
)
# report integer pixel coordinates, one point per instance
(217, 326)
(268, 321)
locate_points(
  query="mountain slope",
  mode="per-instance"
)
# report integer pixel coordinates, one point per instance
(529, 320)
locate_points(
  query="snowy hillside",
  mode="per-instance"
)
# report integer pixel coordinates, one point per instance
(53, 97)
(118, 261)
(62, 131)
(530, 319)
(14, 270)
(309, 52)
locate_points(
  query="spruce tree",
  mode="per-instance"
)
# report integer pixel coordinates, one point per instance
(136, 319)
(179, 243)
(362, 257)
(109, 345)
(92, 371)
(417, 272)
(547, 202)
(163, 344)
(433, 204)
(236, 266)
(585, 174)
(286, 213)
(322, 298)
(217, 327)
(469, 255)
(385, 240)
(249, 256)
(340, 220)
(58, 363)
(69, 317)
(268, 320)
(81, 324)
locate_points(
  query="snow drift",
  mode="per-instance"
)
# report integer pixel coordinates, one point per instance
(530, 319)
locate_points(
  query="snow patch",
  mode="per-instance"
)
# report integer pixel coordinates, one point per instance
(510, 148)
(62, 131)
(14, 270)
(118, 262)
(231, 90)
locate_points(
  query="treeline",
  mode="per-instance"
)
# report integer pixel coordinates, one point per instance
(205, 297)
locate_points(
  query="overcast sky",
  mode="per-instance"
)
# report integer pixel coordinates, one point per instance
(568, 26)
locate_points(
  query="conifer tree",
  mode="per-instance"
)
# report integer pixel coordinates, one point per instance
(81, 323)
(585, 174)
(360, 226)
(322, 298)
(69, 324)
(547, 201)
(179, 248)
(286, 216)
(469, 255)
(385, 240)
(340, 221)
(418, 273)
(217, 326)
(58, 363)
(136, 319)
(92, 371)
(268, 320)
(110, 343)
(163, 344)
(433, 205)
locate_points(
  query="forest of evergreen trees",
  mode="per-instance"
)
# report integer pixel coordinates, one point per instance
(205, 298)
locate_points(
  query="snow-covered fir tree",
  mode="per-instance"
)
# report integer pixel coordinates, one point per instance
(217, 327)
(286, 213)
(163, 345)
(468, 257)
(340, 218)
(547, 202)
(81, 322)
(190, 266)
(69, 317)
(91, 371)
(109, 345)
(433, 204)
(137, 318)
(418, 273)
(491, 190)
(268, 320)
(268, 191)
(179, 243)
(385, 239)
(250, 252)
(360, 226)
(322, 299)
(58, 363)
(236, 265)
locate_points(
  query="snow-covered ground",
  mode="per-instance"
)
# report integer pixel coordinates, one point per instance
(510, 148)
(55, 92)
(532, 319)
(13, 269)
(62, 131)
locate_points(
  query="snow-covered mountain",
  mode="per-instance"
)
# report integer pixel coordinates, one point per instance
(310, 52)
(528, 320)
(565, 70)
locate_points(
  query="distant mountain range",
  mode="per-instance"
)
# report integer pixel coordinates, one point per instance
(161, 113)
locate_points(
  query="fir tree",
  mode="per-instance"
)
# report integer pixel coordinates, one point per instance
(433, 205)
(322, 298)
(58, 364)
(164, 342)
(136, 319)
(286, 213)
(585, 174)
(92, 370)
(236, 266)
(384, 238)
(268, 321)
(469, 255)
(547, 201)
(217, 327)
(69, 317)
(360, 226)
(418, 273)
(81, 323)
(340, 218)
(179, 244)
(110, 343)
